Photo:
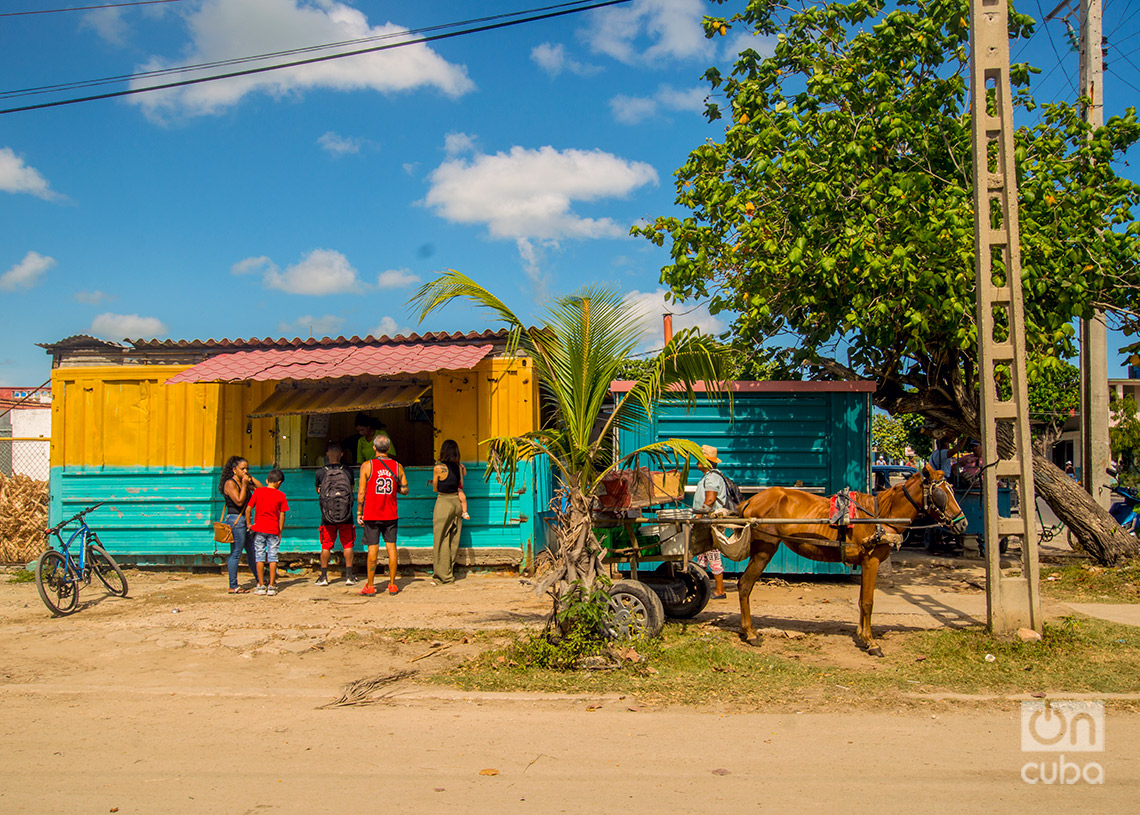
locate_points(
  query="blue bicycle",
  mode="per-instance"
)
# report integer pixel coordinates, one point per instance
(60, 573)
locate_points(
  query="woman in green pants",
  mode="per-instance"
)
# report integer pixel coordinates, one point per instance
(450, 511)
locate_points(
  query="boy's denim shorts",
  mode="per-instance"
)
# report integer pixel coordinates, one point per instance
(265, 547)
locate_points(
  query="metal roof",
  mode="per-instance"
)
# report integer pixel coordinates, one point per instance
(87, 341)
(332, 362)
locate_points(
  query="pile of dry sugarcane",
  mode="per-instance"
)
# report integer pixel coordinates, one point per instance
(23, 518)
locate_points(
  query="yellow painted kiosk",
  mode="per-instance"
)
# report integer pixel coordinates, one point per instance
(146, 426)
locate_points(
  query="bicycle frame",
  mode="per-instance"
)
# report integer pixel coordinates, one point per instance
(75, 565)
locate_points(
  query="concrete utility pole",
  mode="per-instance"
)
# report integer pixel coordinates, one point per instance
(1011, 602)
(1094, 334)
(1095, 451)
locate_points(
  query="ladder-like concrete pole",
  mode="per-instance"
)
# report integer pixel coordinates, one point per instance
(1012, 602)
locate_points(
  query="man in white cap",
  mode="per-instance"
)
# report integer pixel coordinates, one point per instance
(711, 494)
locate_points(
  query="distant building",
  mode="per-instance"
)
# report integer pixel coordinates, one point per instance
(25, 431)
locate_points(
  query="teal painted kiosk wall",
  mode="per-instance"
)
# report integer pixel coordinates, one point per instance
(775, 434)
(163, 515)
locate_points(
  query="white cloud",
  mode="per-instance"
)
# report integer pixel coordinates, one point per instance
(456, 143)
(308, 325)
(227, 29)
(529, 193)
(126, 326)
(397, 279)
(92, 298)
(652, 307)
(631, 110)
(322, 271)
(16, 176)
(649, 31)
(552, 58)
(26, 273)
(339, 145)
(387, 328)
(251, 265)
(739, 40)
(108, 23)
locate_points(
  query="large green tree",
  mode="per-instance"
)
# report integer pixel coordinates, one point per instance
(839, 208)
(582, 343)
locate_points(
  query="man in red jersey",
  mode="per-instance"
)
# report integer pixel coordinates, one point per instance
(381, 479)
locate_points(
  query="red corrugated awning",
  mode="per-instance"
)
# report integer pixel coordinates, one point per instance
(332, 363)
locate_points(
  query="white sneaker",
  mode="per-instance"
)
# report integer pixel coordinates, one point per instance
(271, 591)
(322, 581)
(350, 581)
(259, 590)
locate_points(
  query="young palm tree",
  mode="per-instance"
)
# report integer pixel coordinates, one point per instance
(576, 354)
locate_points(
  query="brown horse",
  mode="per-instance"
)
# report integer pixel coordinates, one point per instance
(866, 545)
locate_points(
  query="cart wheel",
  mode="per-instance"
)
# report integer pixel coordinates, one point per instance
(698, 591)
(634, 611)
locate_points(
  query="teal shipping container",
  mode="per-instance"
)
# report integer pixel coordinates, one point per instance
(812, 435)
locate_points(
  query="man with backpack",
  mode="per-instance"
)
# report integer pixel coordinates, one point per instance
(335, 494)
(715, 494)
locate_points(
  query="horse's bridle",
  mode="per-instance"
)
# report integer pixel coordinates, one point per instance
(928, 501)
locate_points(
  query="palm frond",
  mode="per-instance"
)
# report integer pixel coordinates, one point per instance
(690, 357)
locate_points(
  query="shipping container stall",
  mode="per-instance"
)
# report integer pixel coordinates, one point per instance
(147, 426)
(814, 436)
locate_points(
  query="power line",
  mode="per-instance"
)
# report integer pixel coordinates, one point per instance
(1123, 20)
(110, 80)
(85, 8)
(1049, 34)
(1122, 79)
(560, 12)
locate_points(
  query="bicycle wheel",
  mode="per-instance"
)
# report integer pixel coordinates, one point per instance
(58, 589)
(107, 570)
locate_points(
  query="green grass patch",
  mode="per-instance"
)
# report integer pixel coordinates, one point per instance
(22, 576)
(1092, 584)
(692, 665)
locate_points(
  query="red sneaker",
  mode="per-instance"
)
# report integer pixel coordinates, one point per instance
(368, 591)
(393, 588)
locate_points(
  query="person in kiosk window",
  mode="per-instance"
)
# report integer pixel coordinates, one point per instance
(710, 495)
(381, 479)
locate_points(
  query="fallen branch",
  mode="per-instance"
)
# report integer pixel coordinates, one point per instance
(360, 692)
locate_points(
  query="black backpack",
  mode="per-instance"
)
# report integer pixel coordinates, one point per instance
(336, 496)
(732, 497)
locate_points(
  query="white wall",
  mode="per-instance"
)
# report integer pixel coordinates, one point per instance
(31, 458)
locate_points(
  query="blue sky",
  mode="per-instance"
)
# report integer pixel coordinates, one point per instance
(317, 198)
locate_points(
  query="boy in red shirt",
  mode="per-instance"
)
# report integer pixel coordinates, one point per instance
(381, 480)
(268, 519)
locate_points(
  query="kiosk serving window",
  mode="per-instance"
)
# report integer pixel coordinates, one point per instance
(312, 414)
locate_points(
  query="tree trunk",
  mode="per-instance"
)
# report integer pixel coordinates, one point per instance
(1095, 530)
(577, 556)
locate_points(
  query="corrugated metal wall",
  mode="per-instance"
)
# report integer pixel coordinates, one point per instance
(774, 439)
(158, 516)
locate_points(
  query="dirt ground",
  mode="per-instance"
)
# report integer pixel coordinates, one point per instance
(182, 699)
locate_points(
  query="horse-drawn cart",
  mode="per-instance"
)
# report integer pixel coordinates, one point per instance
(677, 587)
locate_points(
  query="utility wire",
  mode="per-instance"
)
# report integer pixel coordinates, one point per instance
(1125, 81)
(86, 8)
(1123, 20)
(1056, 53)
(430, 38)
(110, 80)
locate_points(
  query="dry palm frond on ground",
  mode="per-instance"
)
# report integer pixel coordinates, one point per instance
(360, 692)
(23, 518)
